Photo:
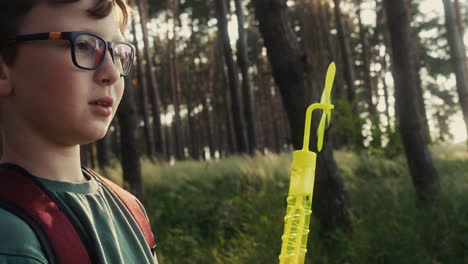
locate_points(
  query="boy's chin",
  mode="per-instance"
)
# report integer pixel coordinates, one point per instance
(93, 137)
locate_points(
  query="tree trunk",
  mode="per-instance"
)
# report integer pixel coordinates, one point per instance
(127, 117)
(261, 106)
(423, 172)
(323, 11)
(289, 71)
(208, 102)
(237, 106)
(332, 47)
(115, 146)
(243, 61)
(159, 136)
(311, 40)
(225, 101)
(103, 152)
(170, 145)
(84, 158)
(459, 17)
(346, 53)
(419, 99)
(458, 57)
(330, 201)
(197, 80)
(279, 137)
(1, 145)
(175, 85)
(366, 64)
(143, 93)
(192, 102)
(92, 154)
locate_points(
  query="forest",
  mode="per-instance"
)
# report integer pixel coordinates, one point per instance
(215, 106)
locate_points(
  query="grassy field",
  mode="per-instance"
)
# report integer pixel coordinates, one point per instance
(231, 211)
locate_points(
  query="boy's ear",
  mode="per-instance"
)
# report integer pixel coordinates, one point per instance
(5, 86)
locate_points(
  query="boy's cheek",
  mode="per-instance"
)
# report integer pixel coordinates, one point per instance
(49, 68)
(120, 90)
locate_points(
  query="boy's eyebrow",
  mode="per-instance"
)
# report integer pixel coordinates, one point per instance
(118, 39)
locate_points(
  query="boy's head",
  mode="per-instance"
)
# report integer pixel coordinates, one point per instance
(42, 89)
(12, 15)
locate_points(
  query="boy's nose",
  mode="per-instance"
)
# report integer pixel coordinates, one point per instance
(107, 74)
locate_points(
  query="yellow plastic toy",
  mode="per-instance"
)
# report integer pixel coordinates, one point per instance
(297, 219)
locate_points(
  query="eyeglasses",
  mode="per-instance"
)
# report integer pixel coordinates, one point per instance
(88, 50)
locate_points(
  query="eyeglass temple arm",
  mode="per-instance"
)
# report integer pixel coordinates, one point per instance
(38, 36)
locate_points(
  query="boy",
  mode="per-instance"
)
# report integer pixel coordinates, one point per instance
(61, 80)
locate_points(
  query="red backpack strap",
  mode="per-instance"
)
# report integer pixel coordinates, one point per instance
(24, 193)
(132, 205)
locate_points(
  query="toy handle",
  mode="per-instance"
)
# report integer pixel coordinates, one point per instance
(298, 212)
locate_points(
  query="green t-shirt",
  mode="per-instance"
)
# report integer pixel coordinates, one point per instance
(109, 224)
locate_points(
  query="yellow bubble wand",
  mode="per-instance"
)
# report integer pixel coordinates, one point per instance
(297, 219)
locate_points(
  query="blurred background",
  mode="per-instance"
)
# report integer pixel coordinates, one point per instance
(216, 105)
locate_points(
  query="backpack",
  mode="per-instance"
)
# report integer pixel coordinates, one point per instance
(62, 237)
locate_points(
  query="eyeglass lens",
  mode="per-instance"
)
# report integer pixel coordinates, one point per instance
(89, 51)
(123, 57)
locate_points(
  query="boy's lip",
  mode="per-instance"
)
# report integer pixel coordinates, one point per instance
(107, 100)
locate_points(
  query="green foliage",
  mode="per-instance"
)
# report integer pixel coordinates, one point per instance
(346, 125)
(445, 111)
(398, 231)
(155, 7)
(433, 49)
(209, 211)
(201, 10)
(434, 56)
(370, 167)
(231, 211)
(394, 146)
(438, 65)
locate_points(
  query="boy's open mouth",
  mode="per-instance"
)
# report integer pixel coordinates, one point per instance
(104, 102)
(99, 103)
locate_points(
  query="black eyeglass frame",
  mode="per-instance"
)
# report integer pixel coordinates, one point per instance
(71, 36)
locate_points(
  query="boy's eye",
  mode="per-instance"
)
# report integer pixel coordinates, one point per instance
(84, 46)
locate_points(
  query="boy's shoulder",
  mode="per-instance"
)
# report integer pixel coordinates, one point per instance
(18, 241)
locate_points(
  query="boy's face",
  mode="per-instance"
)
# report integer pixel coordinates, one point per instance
(45, 92)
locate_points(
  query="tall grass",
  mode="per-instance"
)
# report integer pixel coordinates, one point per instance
(231, 211)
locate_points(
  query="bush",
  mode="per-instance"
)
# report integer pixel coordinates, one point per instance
(231, 211)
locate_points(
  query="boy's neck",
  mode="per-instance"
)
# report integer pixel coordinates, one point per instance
(60, 163)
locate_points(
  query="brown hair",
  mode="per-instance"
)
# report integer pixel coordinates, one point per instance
(12, 14)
